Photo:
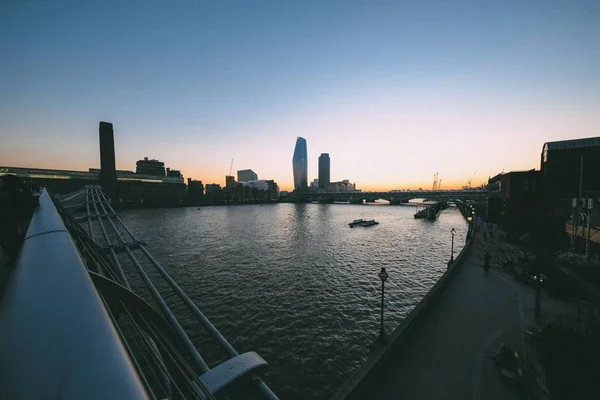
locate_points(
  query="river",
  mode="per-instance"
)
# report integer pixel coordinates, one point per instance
(294, 283)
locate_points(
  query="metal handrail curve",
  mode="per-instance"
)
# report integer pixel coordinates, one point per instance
(57, 339)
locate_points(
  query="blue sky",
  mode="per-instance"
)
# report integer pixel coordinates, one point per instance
(394, 91)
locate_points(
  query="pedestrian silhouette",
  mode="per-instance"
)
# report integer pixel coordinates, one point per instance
(486, 264)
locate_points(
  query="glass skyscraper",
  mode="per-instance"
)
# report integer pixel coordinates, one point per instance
(300, 164)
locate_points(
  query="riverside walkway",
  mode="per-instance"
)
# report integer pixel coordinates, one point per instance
(448, 353)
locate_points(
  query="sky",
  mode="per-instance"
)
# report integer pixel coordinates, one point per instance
(394, 91)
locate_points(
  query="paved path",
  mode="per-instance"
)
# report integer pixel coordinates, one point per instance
(448, 354)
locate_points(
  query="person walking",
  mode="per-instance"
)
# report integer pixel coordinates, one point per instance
(486, 264)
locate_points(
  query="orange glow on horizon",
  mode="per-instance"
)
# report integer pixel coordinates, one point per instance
(220, 178)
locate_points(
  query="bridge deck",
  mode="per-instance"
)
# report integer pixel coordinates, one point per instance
(396, 197)
(141, 298)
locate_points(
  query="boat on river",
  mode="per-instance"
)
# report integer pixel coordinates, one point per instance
(430, 211)
(422, 213)
(363, 222)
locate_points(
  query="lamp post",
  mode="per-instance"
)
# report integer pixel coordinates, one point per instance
(452, 249)
(469, 219)
(574, 206)
(583, 218)
(590, 207)
(383, 276)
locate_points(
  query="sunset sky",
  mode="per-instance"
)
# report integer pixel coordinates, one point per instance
(394, 91)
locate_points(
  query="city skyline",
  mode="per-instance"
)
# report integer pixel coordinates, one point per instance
(394, 92)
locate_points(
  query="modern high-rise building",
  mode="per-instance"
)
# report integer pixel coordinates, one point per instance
(324, 170)
(108, 167)
(246, 175)
(300, 165)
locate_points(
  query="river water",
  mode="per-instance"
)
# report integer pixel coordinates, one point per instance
(294, 283)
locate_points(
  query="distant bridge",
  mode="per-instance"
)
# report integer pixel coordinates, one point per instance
(394, 197)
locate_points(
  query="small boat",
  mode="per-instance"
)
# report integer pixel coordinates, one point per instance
(369, 223)
(363, 222)
(421, 213)
(355, 222)
(429, 213)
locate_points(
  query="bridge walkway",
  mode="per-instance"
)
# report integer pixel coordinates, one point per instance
(448, 355)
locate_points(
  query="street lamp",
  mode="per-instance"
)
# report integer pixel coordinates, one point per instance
(573, 220)
(453, 231)
(470, 219)
(590, 207)
(383, 276)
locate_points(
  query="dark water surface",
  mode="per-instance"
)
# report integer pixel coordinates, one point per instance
(294, 283)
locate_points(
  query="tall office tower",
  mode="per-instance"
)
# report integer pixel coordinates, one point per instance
(324, 171)
(300, 165)
(108, 167)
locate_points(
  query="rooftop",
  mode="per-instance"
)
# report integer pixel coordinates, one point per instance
(573, 143)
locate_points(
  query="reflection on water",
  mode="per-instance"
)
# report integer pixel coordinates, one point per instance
(294, 283)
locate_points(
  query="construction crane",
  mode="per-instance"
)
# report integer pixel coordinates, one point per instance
(471, 180)
(439, 184)
(230, 167)
(436, 183)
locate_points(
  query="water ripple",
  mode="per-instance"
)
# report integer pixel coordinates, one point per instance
(296, 284)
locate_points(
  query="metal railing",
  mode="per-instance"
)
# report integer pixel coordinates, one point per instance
(56, 337)
(164, 356)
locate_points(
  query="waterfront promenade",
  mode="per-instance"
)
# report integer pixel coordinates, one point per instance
(448, 353)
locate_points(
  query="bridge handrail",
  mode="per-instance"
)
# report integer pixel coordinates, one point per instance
(210, 328)
(57, 338)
